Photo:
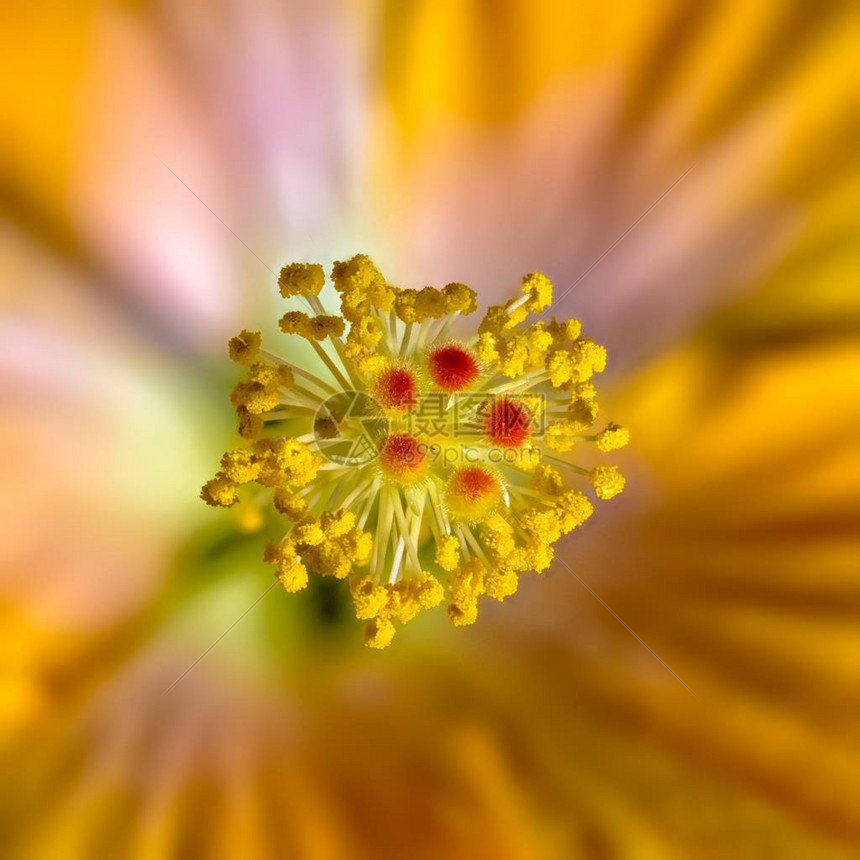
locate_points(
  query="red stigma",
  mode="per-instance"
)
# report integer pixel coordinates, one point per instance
(396, 388)
(473, 492)
(474, 483)
(452, 366)
(403, 458)
(507, 422)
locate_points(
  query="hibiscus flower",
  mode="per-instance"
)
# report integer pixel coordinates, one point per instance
(680, 681)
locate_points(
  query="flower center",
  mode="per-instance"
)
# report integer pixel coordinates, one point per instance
(473, 492)
(403, 458)
(396, 388)
(507, 422)
(452, 366)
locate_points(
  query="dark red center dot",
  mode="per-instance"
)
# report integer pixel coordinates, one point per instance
(507, 422)
(452, 367)
(396, 388)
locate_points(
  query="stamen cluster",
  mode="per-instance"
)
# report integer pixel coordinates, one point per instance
(447, 510)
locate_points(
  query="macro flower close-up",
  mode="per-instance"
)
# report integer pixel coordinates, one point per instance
(417, 438)
(519, 342)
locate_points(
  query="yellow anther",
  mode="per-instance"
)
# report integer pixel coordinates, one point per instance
(500, 584)
(462, 615)
(301, 279)
(447, 552)
(403, 603)
(539, 290)
(220, 491)
(494, 320)
(261, 392)
(307, 533)
(430, 591)
(292, 574)
(337, 524)
(366, 331)
(581, 411)
(499, 543)
(245, 347)
(560, 435)
(539, 557)
(285, 379)
(576, 363)
(250, 425)
(327, 558)
(497, 523)
(467, 583)
(515, 315)
(559, 366)
(294, 579)
(369, 598)
(285, 461)
(458, 298)
(514, 357)
(263, 373)
(545, 479)
(607, 481)
(378, 633)
(254, 397)
(544, 524)
(538, 341)
(367, 363)
(516, 561)
(614, 436)
(588, 358)
(405, 306)
(432, 304)
(311, 328)
(486, 347)
(574, 509)
(289, 503)
(357, 545)
(361, 284)
(563, 332)
(282, 554)
(240, 466)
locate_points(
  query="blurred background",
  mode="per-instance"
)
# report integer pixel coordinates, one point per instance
(162, 157)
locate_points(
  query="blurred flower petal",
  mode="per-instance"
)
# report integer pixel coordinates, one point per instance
(456, 141)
